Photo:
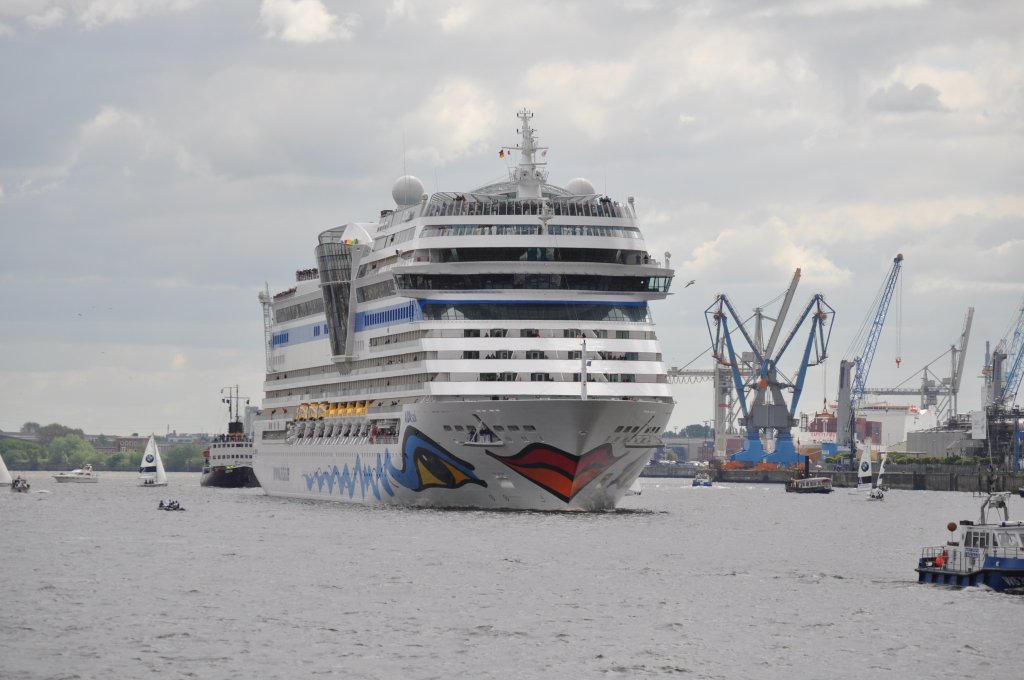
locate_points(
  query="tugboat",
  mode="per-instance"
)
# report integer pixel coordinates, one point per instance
(229, 459)
(988, 554)
(804, 483)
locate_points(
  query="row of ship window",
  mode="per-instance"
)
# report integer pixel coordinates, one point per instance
(234, 456)
(555, 311)
(535, 253)
(539, 354)
(460, 206)
(546, 377)
(530, 230)
(496, 428)
(617, 284)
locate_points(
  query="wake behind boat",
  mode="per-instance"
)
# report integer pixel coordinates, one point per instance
(492, 348)
(83, 475)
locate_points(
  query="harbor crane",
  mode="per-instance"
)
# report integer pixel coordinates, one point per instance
(760, 396)
(853, 374)
(938, 393)
(1005, 368)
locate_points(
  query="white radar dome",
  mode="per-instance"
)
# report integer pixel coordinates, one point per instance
(407, 190)
(580, 187)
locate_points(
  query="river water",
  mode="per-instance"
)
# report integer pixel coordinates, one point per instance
(740, 581)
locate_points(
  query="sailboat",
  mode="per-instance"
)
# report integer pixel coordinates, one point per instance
(151, 471)
(877, 492)
(5, 475)
(864, 470)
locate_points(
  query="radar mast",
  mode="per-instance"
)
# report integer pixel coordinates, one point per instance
(529, 174)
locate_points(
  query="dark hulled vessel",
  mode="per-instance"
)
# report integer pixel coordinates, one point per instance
(228, 461)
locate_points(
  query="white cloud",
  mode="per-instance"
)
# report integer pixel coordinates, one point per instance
(457, 119)
(50, 18)
(399, 9)
(458, 17)
(765, 255)
(901, 99)
(304, 21)
(99, 13)
(583, 91)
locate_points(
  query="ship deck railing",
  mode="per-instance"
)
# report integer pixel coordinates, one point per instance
(468, 205)
(965, 559)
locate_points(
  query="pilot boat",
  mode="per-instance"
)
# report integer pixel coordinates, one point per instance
(987, 554)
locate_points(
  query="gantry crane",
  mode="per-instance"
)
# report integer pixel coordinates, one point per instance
(853, 373)
(767, 410)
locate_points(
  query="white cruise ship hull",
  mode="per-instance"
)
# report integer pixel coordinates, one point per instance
(552, 455)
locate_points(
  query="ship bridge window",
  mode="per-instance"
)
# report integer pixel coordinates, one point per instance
(498, 428)
(1004, 539)
(513, 428)
(303, 309)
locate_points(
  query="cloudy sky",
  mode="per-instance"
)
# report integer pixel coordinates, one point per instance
(161, 159)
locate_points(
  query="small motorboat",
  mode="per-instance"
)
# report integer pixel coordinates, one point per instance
(987, 554)
(702, 479)
(81, 475)
(170, 506)
(20, 484)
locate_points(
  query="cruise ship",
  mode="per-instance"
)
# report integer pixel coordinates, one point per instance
(492, 348)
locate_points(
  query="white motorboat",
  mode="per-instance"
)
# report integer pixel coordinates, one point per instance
(82, 475)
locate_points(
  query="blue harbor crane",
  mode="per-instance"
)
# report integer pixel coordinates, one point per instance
(853, 374)
(760, 397)
(1007, 367)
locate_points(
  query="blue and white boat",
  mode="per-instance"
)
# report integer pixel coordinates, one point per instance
(988, 554)
(702, 479)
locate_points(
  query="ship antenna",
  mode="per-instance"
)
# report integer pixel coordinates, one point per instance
(530, 174)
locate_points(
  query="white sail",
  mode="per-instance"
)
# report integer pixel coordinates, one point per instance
(881, 468)
(864, 470)
(151, 469)
(161, 475)
(5, 475)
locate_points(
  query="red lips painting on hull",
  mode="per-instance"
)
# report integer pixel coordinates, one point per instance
(559, 472)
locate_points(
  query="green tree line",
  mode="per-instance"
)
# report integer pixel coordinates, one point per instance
(62, 448)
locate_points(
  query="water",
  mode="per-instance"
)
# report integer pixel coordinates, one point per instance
(727, 582)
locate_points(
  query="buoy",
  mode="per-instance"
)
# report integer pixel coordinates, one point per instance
(951, 527)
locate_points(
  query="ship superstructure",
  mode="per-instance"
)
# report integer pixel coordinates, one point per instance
(492, 348)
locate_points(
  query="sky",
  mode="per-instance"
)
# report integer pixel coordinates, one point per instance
(162, 160)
